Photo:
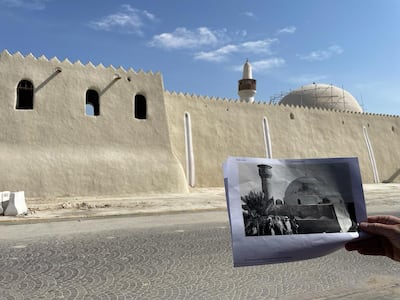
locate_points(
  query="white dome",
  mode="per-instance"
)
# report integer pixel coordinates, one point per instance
(323, 96)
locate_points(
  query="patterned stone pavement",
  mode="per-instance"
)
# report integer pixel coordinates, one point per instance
(183, 256)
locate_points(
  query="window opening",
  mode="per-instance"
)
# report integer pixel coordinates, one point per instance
(24, 95)
(140, 107)
(92, 103)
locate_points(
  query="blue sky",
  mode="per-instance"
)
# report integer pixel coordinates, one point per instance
(201, 46)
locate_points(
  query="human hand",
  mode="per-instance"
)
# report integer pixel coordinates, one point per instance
(384, 240)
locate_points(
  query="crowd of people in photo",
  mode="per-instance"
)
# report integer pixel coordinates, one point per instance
(384, 232)
(271, 225)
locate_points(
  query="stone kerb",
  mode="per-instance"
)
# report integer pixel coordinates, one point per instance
(13, 203)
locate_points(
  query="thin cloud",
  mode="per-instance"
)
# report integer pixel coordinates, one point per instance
(268, 64)
(183, 38)
(217, 55)
(128, 20)
(261, 46)
(28, 4)
(241, 33)
(221, 54)
(320, 55)
(249, 14)
(264, 65)
(289, 30)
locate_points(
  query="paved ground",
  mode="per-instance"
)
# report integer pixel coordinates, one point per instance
(379, 198)
(152, 252)
(172, 256)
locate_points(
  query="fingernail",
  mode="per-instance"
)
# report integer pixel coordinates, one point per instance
(363, 225)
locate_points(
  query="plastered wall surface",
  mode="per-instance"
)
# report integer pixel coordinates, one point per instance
(223, 128)
(57, 150)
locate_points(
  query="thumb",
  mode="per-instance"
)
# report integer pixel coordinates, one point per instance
(377, 229)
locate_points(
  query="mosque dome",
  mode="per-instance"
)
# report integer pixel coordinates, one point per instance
(323, 96)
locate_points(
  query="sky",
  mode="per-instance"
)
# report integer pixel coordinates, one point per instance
(200, 47)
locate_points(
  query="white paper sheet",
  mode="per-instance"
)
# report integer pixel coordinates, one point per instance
(288, 210)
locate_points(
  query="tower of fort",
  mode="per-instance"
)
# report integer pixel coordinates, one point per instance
(70, 129)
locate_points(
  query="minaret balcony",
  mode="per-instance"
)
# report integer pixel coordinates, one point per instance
(247, 84)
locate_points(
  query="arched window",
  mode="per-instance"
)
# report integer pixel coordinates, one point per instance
(24, 95)
(92, 103)
(140, 107)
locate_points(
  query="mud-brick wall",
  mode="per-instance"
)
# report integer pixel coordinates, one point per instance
(57, 150)
(222, 128)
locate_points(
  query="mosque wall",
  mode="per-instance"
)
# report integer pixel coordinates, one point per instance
(223, 128)
(57, 150)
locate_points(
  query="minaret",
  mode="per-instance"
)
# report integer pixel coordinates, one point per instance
(247, 85)
(265, 174)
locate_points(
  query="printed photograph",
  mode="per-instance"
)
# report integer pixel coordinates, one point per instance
(296, 198)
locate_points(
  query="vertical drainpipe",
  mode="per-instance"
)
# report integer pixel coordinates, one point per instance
(190, 169)
(371, 155)
(267, 139)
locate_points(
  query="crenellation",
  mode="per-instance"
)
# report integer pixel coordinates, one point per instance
(30, 56)
(78, 63)
(121, 69)
(18, 55)
(67, 61)
(43, 58)
(91, 65)
(55, 60)
(5, 53)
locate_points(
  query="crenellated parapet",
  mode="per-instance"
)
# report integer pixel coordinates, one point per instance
(266, 105)
(339, 112)
(5, 54)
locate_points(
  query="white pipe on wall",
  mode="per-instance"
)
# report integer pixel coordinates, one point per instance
(371, 155)
(267, 138)
(190, 167)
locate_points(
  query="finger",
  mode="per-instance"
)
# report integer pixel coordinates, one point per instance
(372, 251)
(377, 228)
(374, 242)
(372, 247)
(384, 219)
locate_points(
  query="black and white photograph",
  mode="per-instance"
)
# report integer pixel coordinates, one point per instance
(283, 210)
(296, 198)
